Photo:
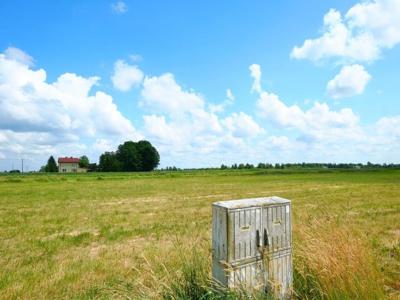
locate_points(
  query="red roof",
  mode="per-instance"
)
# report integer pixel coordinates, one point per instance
(68, 160)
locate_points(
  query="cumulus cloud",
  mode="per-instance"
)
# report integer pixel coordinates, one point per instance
(181, 120)
(70, 117)
(350, 81)
(16, 54)
(314, 124)
(119, 7)
(360, 35)
(229, 95)
(242, 125)
(217, 108)
(38, 116)
(126, 76)
(389, 126)
(255, 73)
(319, 121)
(164, 94)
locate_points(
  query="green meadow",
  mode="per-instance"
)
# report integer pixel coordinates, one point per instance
(148, 235)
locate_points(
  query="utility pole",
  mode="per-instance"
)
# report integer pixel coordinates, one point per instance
(22, 165)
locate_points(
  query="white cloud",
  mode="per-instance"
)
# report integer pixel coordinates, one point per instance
(350, 81)
(16, 54)
(380, 18)
(242, 125)
(279, 143)
(156, 126)
(217, 108)
(163, 94)
(126, 76)
(135, 57)
(229, 95)
(39, 117)
(181, 125)
(389, 126)
(366, 29)
(119, 7)
(255, 73)
(317, 123)
(382, 142)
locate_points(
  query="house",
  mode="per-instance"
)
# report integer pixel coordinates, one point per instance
(69, 165)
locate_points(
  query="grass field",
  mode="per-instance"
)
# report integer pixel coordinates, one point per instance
(148, 235)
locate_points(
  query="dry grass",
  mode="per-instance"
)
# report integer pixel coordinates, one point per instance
(334, 261)
(133, 236)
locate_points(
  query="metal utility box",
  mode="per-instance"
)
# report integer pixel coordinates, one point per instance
(251, 243)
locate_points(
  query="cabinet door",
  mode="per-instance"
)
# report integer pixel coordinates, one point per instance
(276, 227)
(244, 233)
(279, 274)
(251, 276)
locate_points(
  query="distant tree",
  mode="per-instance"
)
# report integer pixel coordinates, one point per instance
(84, 162)
(129, 156)
(223, 167)
(51, 165)
(148, 155)
(108, 162)
(92, 167)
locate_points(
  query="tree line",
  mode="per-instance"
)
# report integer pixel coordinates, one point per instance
(303, 165)
(309, 166)
(129, 157)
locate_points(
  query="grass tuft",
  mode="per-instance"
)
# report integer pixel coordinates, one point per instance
(334, 261)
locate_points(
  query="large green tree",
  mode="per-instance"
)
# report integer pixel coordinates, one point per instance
(130, 157)
(108, 162)
(84, 162)
(149, 156)
(51, 165)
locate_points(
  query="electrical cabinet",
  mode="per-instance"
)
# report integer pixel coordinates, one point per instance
(251, 245)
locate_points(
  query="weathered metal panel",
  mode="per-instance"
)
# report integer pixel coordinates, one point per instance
(272, 274)
(276, 220)
(250, 275)
(244, 224)
(219, 244)
(278, 270)
(252, 244)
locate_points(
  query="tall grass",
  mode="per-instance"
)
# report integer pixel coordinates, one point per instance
(77, 237)
(333, 261)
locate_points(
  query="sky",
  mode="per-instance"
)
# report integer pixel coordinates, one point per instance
(206, 82)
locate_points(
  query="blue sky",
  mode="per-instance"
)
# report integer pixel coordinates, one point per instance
(206, 82)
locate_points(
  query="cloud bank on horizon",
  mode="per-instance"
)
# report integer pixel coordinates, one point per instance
(73, 115)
